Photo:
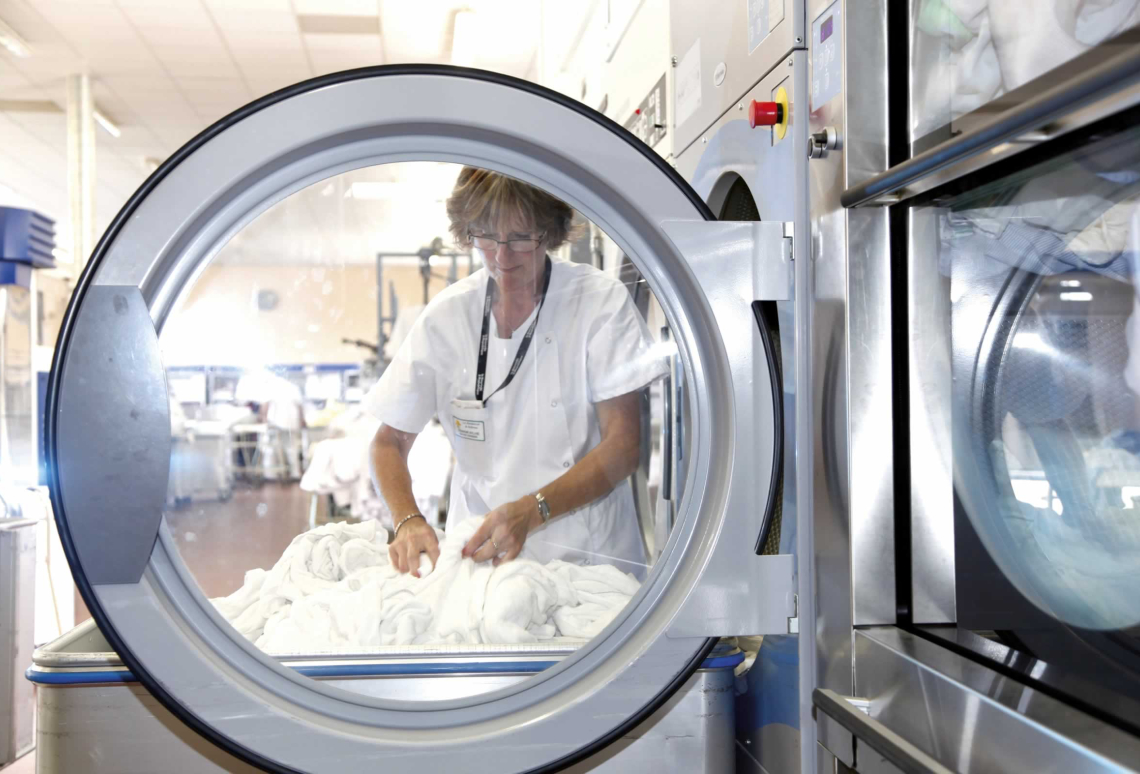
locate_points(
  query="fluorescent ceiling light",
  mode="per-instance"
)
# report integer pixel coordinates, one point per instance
(11, 40)
(108, 124)
(465, 39)
(1076, 295)
(318, 24)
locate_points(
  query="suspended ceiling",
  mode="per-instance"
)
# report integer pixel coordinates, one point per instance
(163, 70)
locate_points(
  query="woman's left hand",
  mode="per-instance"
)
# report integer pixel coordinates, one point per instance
(507, 526)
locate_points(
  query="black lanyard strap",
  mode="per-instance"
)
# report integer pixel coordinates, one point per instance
(484, 339)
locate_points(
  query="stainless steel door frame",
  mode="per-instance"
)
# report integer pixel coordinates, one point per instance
(852, 488)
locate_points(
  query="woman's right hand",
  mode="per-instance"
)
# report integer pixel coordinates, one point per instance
(416, 537)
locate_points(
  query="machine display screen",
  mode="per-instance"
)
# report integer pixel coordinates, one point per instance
(825, 29)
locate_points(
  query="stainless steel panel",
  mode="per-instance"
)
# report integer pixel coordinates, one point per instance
(872, 739)
(1087, 95)
(931, 450)
(17, 619)
(731, 150)
(121, 729)
(736, 264)
(835, 738)
(720, 29)
(853, 505)
(973, 719)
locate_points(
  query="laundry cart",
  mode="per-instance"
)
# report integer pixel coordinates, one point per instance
(201, 463)
(95, 717)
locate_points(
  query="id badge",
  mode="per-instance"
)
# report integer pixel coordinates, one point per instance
(470, 421)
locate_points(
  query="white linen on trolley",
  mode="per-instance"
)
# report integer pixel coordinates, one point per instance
(334, 588)
(340, 466)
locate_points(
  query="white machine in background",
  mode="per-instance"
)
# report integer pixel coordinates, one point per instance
(739, 102)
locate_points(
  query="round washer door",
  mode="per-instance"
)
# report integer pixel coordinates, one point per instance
(108, 427)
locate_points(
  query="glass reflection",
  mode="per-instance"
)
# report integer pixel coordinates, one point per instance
(1046, 423)
(966, 53)
(385, 439)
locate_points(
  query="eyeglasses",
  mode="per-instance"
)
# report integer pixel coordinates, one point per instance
(517, 245)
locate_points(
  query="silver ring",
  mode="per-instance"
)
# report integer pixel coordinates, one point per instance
(496, 546)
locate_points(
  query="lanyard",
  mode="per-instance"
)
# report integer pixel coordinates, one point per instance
(481, 374)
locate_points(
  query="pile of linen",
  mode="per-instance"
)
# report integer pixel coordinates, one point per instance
(334, 589)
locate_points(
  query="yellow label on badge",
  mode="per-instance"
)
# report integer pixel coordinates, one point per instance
(470, 429)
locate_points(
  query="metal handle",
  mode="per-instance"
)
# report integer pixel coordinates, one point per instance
(883, 740)
(1113, 76)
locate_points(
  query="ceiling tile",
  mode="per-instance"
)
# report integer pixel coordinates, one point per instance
(347, 43)
(183, 15)
(337, 7)
(281, 6)
(236, 18)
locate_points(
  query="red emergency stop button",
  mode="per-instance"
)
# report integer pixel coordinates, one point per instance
(765, 114)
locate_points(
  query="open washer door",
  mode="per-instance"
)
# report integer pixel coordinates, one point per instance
(108, 428)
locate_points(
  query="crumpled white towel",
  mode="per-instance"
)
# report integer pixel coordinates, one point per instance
(333, 588)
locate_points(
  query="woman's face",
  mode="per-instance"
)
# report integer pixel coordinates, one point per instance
(512, 269)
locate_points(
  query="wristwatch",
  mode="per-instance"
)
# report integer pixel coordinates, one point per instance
(543, 507)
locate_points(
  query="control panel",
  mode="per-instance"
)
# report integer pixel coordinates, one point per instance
(648, 122)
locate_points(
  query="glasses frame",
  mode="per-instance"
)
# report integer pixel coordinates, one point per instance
(537, 240)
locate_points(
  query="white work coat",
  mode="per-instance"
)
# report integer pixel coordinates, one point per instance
(590, 345)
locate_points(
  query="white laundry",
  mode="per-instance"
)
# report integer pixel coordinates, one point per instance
(973, 51)
(340, 467)
(334, 589)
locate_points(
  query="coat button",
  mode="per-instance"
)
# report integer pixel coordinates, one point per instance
(553, 404)
(547, 339)
(565, 464)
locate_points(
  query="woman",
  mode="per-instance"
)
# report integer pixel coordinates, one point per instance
(535, 368)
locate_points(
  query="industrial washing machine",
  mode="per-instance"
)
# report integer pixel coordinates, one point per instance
(973, 200)
(110, 444)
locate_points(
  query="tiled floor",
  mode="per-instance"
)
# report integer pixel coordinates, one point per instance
(220, 541)
(25, 765)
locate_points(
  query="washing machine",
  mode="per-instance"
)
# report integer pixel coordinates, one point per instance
(108, 431)
(740, 73)
(973, 214)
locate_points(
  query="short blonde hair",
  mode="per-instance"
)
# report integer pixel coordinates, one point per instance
(481, 197)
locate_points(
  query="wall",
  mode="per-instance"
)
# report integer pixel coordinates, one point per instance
(218, 322)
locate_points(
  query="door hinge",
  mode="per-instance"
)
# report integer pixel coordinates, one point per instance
(794, 620)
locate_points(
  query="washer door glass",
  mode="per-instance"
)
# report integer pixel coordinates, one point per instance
(336, 486)
(291, 343)
(1039, 269)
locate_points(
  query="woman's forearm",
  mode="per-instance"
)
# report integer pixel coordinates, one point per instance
(389, 456)
(609, 463)
(592, 477)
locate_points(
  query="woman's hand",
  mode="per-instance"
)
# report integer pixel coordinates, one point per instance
(416, 537)
(507, 526)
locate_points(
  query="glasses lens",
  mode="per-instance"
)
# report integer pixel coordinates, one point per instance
(484, 243)
(523, 245)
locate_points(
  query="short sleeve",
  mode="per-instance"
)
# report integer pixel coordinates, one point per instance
(405, 395)
(620, 356)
